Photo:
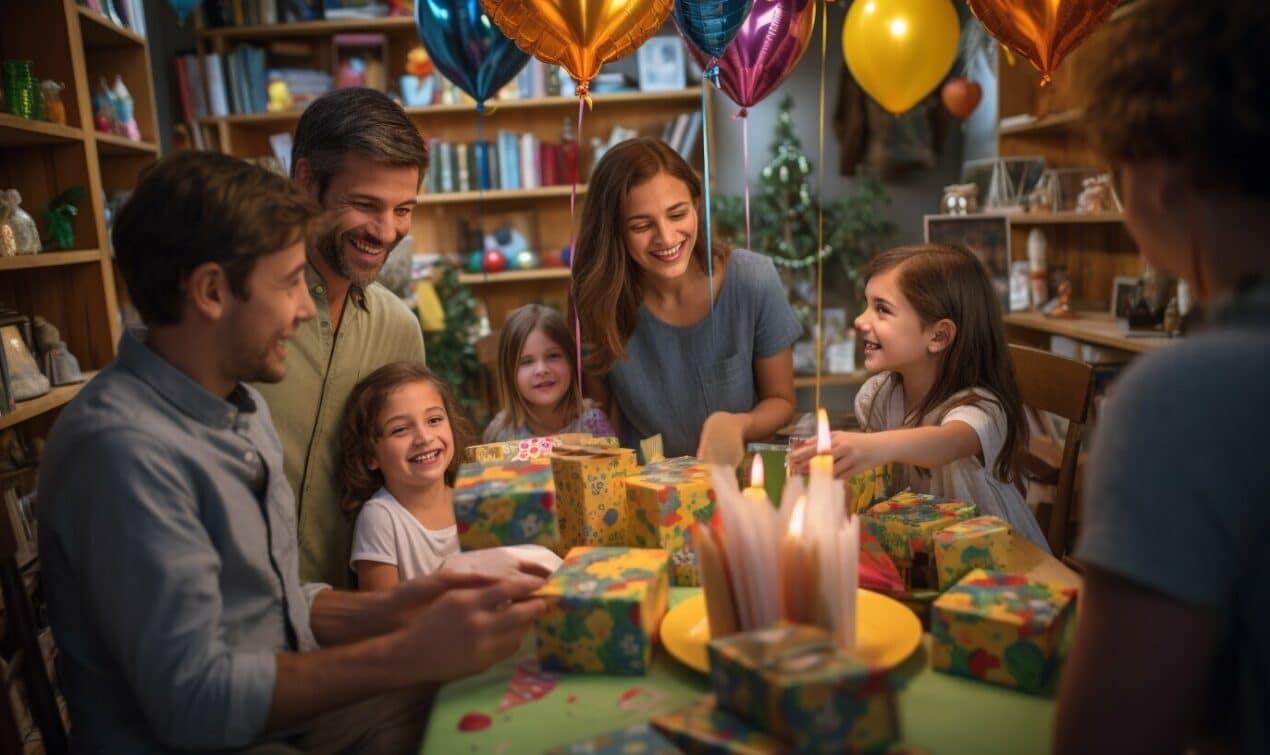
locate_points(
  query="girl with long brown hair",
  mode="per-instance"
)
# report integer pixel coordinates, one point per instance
(942, 403)
(673, 332)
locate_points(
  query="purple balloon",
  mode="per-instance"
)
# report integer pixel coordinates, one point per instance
(766, 50)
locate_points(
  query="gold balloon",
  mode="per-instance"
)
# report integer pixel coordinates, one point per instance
(1043, 31)
(899, 50)
(580, 35)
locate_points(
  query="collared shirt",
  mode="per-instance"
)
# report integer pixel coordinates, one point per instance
(322, 367)
(169, 560)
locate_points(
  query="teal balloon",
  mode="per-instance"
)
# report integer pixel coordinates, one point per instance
(476, 262)
(710, 25)
(527, 260)
(183, 8)
(467, 48)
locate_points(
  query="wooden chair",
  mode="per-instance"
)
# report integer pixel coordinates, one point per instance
(487, 355)
(21, 647)
(1062, 387)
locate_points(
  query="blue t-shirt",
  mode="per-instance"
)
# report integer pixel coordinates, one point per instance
(673, 378)
(1176, 496)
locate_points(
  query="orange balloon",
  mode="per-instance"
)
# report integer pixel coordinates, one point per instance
(961, 96)
(1043, 31)
(580, 35)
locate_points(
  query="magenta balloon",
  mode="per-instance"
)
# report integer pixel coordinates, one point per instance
(766, 50)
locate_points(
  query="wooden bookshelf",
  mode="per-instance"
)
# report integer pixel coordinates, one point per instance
(847, 378)
(515, 276)
(115, 145)
(1065, 218)
(100, 31)
(500, 195)
(1098, 328)
(22, 132)
(55, 398)
(307, 28)
(50, 259)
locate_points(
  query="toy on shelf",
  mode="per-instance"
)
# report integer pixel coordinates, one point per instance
(22, 95)
(18, 234)
(60, 218)
(125, 122)
(54, 108)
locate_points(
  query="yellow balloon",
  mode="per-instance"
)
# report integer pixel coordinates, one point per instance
(580, 35)
(899, 50)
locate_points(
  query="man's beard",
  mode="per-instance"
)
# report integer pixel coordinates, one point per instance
(330, 247)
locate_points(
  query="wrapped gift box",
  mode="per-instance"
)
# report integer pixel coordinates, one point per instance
(529, 449)
(703, 729)
(664, 500)
(505, 504)
(603, 609)
(979, 543)
(1001, 628)
(639, 739)
(794, 682)
(868, 487)
(905, 523)
(591, 495)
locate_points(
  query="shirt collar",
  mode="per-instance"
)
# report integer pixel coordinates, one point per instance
(177, 387)
(317, 287)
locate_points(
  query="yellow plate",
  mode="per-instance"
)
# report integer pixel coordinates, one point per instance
(886, 631)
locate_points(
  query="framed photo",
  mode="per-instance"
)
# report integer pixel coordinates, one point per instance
(1124, 291)
(25, 379)
(661, 64)
(987, 236)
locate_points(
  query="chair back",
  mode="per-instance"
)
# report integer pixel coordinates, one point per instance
(487, 356)
(1064, 387)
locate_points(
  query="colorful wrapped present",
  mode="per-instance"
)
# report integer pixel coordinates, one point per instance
(505, 504)
(868, 487)
(979, 543)
(528, 449)
(603, 609)
(664, 500)
(704, 729)
(591, 495)
(905, 523)
(1001, 629)
(639, 739)
(796, 683)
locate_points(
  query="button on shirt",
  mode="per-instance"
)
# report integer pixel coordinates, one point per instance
(169, 559)
(322, 367)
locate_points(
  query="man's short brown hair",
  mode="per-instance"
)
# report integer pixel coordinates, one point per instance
(199, 207)
(1183, 85)
(359, 120)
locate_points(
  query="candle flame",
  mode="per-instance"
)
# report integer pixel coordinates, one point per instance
(796, 518)
(822, 431)
(756, 472)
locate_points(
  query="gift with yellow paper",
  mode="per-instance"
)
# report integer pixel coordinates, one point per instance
(979, 543)
(591, 495)
(703, 728)
(528, 449)
(1001, 628)
(905, 523)
(603, 607)
(505, 504)
(867, 488)
(664, 499)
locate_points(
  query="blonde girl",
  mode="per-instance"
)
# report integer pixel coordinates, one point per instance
(536, 386)
(942, 403)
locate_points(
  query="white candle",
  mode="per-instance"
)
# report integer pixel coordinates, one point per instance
(799, 583)
(756, 492)
(850, 544)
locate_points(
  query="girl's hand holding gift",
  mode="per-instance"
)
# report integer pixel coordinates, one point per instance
(852, 453)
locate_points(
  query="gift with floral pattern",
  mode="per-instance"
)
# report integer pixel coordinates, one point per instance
(505, 504)
(591, 495)
(905, 523)
(529, 449)
(704, 729)
(664, 499)
(979, 543)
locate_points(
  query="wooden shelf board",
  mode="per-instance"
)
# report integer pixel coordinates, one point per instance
(115, 145)
(59, 396)
(19, 132)
(99, 31)
(309, 28)
(849, 378)
(1057, 122)
(1098, 328)
(467, 108)
(1062, 218)
(514, 276)
(49, 259)
(496, 195)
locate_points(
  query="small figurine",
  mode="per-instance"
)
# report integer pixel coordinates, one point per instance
(1172, 319)
(60, 365)
(1097, 195)
(1063, 309)
(280, 100)
(125, 122)
(54, 108)
(60, 218)
(18, 234)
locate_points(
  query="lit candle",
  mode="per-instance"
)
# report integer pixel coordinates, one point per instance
(756, 492)
(821, 466)
(799, 574)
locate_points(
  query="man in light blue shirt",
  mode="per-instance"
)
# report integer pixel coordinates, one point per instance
(168, 535)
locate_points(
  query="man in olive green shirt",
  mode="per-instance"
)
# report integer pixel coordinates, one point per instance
(357, 153)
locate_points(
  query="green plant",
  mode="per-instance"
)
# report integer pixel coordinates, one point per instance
(784, 225)
(452, 352)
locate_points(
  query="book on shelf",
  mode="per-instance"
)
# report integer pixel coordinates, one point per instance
(529, 176)
(461, 164)
(214, 76)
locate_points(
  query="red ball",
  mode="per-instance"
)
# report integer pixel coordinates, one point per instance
(552, 258)
(494, 262)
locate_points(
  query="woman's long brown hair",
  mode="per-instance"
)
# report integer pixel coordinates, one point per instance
(606, 281)
(945, 282)
(520, 323)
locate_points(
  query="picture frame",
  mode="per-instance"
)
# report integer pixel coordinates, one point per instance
(986, 236)
(661, 64)
(1124, 289)
(25, 380)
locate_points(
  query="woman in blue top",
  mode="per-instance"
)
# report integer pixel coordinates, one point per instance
(656, 351)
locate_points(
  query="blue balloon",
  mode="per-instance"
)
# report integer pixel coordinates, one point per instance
(710, 25)
(467, 48)
(183, 8)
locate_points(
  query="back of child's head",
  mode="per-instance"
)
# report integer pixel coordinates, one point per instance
(511, 342)
(949, 282)
(360, 427)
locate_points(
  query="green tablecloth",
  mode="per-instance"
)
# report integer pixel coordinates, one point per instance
(942, 713)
